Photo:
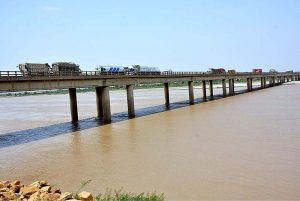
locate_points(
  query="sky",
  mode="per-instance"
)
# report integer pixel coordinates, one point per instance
(189, 35)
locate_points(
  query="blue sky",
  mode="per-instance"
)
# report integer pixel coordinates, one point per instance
(190, 35)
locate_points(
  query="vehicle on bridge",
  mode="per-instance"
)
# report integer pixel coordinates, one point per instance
(34, 69)
(216, 71)
(128, 70)
(232, 71)
(65, 68)
(145, 70)
(257, 70)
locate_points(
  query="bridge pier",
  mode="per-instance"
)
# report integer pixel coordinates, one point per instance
(265, 82)
(224, 87)
(106, 105)
(211, 89)
(273, 81)
(167, 95)
(130, 100)
(231, 87)
(262, 82)
(73, 104)
(191, 92)
(99, 92)
(248, 84)
(204, 88)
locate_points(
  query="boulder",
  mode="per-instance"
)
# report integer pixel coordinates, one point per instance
(7, 196)
(4, 184)
(4, 189)
(55, 190)
(35, 196)
(66, 196)
(15, 183)
(27, 191)
(85, 196)
(46, 189)
(49, 196)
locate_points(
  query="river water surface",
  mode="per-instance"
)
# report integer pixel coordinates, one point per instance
(240, 147)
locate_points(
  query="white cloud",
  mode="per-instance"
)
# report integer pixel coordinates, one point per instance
(50, 8)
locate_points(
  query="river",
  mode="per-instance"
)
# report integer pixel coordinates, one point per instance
(240, 147)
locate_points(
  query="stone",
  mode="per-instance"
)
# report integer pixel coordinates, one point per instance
(35, 196)
(4, 189)
(85, 196)
(36, 184)
(27, 191)
(44, 183)
(46, 189)
(15, 183)
(55, 190)
(16, 188)
(4, 184)
(66, 196)
(49, 196)
(7, 196)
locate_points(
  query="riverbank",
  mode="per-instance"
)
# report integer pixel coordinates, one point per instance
(43, 191)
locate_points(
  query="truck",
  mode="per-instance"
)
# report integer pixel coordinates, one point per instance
(34, 69)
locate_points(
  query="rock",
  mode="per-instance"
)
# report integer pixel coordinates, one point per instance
(16, 183)
(7, 196)
(85, 196)
(36, 184)
(55, 190)
(65, 196)
(35, 197)
(16, 188)
(4, 184)
(4, 189)
(46, 189)
(49, 196)
(44, 183)
(27, 191)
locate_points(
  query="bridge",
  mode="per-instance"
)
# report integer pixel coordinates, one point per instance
(12, 81)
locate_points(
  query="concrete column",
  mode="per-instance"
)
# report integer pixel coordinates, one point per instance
(224, 87)
(265, 82)
(73, 104)
(167, 95)
(273, 81)
(130, 100)
(231, 87)
(293, 78)
(204, 88)
(248, 84)
(251, 84)
(99, 92)
(288, 79)
(262, 82)
(191, 92)
(106, 105)
(211, 90)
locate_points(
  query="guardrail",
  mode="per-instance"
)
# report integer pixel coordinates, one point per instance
(99, 73)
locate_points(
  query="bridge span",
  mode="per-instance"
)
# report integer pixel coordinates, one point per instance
(12, 81)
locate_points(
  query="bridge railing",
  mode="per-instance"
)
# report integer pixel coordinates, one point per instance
(11, 74)
(99, 73)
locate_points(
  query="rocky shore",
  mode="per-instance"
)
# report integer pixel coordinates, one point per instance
(43, 191)
(38, 191)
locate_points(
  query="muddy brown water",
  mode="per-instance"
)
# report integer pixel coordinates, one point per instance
(241, 147)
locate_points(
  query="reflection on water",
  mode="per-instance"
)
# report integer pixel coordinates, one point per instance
(241, 147)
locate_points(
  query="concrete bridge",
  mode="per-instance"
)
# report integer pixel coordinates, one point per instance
(12, 81)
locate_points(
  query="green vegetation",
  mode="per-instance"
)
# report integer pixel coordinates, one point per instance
(120, 195)
(123, 196)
